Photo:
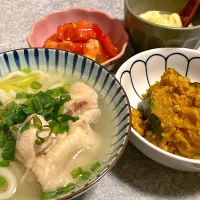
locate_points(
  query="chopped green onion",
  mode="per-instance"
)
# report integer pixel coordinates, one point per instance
(60, 191)
(26, 70)
(56, 92)
(48, 195)
(63, 90)
(8, 152)
(66, 189)
(8, 121)
(85, 175)
(2, 140)
(30, 110)
(26, 126)
(14, 128)
(48, 115)
(66, 117)
(22, 81)
(77, 172)
(95, 166)
(39, 141)
(61, 109)
(37, 104)
(1, 104)
(56, 129)
(20, 114)
(64, 98)
(22, 95)
(52, 123)
(29, 101)
(35, 85)
(6, 113)
(2, 181)
(10, 106)
(1, 113)
(4, 163)
(64, 127)
(37, 122)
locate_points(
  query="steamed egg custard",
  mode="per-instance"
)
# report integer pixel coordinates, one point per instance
(54, 134)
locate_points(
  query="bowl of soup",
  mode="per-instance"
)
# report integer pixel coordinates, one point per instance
(153, 24)
(163, 89)
(64, 123)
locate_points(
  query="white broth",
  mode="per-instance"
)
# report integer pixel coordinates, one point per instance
(38, 166)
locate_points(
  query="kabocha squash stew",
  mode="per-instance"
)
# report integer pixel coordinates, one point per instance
(169, 115)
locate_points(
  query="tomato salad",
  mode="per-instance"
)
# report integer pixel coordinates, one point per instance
(83, 38)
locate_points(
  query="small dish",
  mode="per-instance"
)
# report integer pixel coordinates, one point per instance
(105, 84)
(143, 70)
(145, 35)
(46, 26)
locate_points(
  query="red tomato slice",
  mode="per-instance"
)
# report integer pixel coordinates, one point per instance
(54, 37)
(79, 48)
(65, 45)
(109, 48)
(83, 38)
(66, 31)
(83, 24)
(83, 35)
(80, 31)
(97, 30)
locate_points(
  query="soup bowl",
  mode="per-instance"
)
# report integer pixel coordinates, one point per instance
(97, 77)
(145, 35)
(140, 72)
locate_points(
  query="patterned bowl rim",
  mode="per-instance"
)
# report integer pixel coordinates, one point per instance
(126, 37)
(112, 164)
(138, 57)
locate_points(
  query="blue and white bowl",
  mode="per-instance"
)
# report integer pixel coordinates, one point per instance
(95, 76)
(143, 70)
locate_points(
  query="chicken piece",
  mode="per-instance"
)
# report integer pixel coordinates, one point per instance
(49, 142)
(80, 90)
(83, 99)
(52, 170)
(91, 116)
(26, 149)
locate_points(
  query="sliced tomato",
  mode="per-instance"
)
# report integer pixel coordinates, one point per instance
(83, 35)
(66, 31)
(83, 38)
(54, 37)
(65, 45)
(97, 30)
(79, 48)
(109, 48)
(83, 24)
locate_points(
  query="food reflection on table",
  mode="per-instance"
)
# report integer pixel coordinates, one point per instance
(169, 115)
(83, 38)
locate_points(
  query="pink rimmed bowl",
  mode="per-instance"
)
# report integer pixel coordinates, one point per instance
(46, 26)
